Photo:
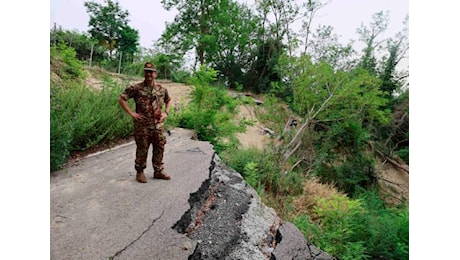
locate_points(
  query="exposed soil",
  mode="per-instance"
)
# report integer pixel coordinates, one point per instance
(255, 136)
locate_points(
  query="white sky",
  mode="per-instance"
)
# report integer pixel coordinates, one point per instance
(149, 17)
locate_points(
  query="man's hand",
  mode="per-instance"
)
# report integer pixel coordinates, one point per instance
(137, 117)
(164, 115)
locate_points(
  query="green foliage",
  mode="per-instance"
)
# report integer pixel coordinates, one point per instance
(393, 138)
(81, 118)
(252, 174)
(237, 159)
(369, 36)
(204, 76)
(340, 109)
(108, 24)
(355, 173)
(261, 170)
(384, 230)
(258, 168)
(133, 69)
(403, 154)
(337, 227)
(309, 229)
(342, 158)
(334, 234)
(323, 94)
(64, 59)
(181, 76)
(357, 229)
(209, 28)
(80, 41)
(61, 130)
(264, 70)
(164, 64)
(326, 47)
(128, 43)
(274, 115)
(211, 111)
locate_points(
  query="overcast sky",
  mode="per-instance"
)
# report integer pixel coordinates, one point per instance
(149, 17)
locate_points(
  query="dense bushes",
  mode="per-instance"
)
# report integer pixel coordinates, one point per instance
(346, 228)
(81, 117)
(210, 113)
(358, 229)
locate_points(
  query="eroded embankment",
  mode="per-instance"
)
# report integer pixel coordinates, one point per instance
(229, 221)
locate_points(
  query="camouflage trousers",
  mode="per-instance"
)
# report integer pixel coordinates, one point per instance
(143, 140)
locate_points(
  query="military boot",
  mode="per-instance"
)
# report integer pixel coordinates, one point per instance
(161, 175)
(140, 177)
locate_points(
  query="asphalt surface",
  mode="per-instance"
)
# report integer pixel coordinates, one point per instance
(99, 211)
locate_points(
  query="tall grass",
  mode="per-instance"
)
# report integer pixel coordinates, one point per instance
(81, 117)
(360, 228)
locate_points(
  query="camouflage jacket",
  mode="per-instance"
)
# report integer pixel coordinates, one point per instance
(149, 102)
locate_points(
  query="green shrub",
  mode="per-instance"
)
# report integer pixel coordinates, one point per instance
(210, 113)
(357, 229)
(342, 158)
(261, 168)
(403, 154)
(181, 76)
(252, 174)
(385, 231)
(336, 216)
(64, 59)
(61, 131)
(329, 237)
(309, 229)
(82, 117)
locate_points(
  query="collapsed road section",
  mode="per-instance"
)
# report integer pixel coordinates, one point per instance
(228, 221)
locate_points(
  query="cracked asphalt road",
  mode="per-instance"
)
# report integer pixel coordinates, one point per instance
(99, 211)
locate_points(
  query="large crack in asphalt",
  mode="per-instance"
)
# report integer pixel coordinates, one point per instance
(214, 217)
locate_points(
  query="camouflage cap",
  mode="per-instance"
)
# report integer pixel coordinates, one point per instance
(149, 67)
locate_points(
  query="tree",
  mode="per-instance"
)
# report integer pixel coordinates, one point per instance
(391, 136)
(80, 41)
(128, 43)
(282, 13)
(311, 7)
(264, 69)
(235, 42)
(397, 47)
(108, 24)
(369, 36)
(191, 27)
(338, 109)
(325, 47)
(209, 29)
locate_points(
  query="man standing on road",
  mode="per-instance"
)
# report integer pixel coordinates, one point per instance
(148, 121)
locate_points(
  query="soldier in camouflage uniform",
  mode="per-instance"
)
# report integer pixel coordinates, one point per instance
(148, 121)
